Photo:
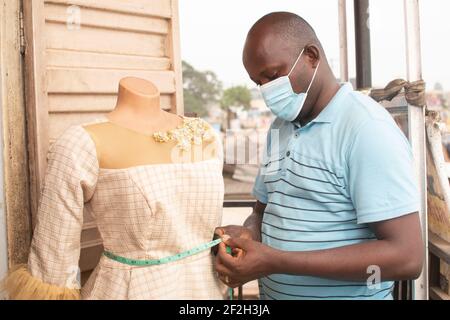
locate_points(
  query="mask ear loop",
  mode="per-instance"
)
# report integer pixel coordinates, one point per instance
(314, 76)
(296, 61)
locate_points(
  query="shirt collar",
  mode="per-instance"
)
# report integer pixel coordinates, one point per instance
(329, 112)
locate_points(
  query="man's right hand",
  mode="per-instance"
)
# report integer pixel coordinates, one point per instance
(233, 232)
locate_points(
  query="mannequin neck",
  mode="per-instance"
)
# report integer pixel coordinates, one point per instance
(138, 107)
(138, 97)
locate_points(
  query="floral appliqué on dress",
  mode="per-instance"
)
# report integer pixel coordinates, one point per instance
(192, 131)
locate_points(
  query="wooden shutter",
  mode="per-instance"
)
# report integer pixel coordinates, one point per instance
(76, 53)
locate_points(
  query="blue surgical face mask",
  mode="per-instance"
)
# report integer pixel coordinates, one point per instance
(281, 98)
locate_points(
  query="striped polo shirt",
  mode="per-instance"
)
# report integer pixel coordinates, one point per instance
(325, 182)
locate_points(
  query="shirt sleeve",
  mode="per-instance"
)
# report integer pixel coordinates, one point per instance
(52, 270)
(381, 177)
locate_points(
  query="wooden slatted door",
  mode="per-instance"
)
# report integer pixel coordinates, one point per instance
(76, 53)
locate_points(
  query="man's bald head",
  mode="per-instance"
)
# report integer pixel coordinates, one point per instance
(286, 26)
(281, 29)
(275, 41)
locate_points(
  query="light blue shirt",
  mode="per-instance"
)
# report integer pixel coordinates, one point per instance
(325, 182)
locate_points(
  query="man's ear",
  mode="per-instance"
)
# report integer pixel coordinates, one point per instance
(313, 54)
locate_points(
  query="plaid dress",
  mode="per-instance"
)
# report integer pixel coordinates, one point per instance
(142, 212)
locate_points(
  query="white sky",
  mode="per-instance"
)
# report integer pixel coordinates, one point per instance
(213, 34)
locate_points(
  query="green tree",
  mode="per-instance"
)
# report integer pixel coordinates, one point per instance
(239, 96)
(201, 89)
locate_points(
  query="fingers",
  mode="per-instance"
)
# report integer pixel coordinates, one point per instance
(233, 283)
(222, 250)
(226, 259)
(229, 282)
(224, 268)
(221, 268)
(220, 231)
(223, 278)
(239, 243)
(238, 253)
(234, 231)
(238, 246)
(227, 279)
(224, 230)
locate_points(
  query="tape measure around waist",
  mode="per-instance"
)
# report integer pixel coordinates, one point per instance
(176, 257)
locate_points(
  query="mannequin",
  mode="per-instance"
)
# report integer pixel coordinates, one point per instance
(123, 141)
(148, 202)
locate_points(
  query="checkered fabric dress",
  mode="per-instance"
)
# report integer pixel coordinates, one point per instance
(143, 212)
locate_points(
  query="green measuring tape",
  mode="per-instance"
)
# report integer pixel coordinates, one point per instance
(179, 256)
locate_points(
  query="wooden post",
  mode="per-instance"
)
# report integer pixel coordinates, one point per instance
(13, 126)
(35, 97)
(417, 137)
(362, 41)
(343, 43)
(173, 46)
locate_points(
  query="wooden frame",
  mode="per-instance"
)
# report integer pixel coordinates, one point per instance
(174, 52)
(35, 97)
(16, 178)
(417, 135)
